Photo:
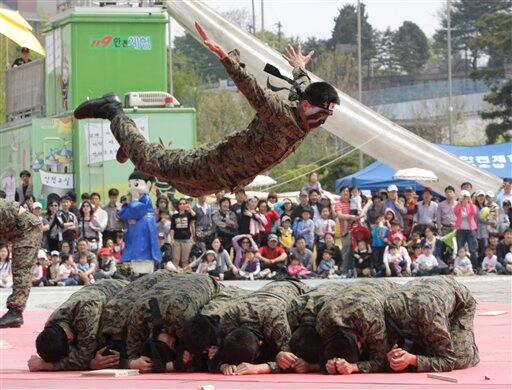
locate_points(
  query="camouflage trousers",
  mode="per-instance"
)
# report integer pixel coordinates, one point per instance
(230, 164)
(26, 243)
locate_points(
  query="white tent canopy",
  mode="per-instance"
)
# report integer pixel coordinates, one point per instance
(416, 174)
(260, 181)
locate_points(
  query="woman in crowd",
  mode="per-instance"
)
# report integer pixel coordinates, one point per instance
(327, 204)
(330, 244)
(53, 235)
(5, 268)
(270, 216)
(271, 199)
(162, 206)
(225, 267)
(482, 224)
(241, 244)
(466, 226)
(225, 223)
(89, 227)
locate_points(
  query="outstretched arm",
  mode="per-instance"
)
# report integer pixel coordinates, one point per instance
(266, 103)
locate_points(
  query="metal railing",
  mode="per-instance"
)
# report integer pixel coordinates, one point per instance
(24, 91)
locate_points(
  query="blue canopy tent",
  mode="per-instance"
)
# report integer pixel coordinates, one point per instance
(497, 159)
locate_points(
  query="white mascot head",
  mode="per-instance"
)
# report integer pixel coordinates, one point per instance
(139, 184)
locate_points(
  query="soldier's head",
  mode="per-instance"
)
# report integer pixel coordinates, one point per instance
(200, 333)
(52, 344)
(242, 345)
(317, 104)
(307, 344)
(342, 345)
(160, 353)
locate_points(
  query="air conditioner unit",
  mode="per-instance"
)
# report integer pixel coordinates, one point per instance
(150, 99)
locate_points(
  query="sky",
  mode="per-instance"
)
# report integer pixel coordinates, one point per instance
(305, 18)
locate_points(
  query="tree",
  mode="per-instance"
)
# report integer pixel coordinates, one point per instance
(464, 17)
(494, 38)
(345, 32)
(386, 60)
(338, 69)
(410, 47)
(186, 80)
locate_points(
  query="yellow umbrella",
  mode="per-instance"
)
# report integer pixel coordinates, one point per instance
(15, 27)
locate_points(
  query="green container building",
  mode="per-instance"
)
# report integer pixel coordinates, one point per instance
(91, 51)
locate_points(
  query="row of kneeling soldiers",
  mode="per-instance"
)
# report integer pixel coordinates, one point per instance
(165, 322)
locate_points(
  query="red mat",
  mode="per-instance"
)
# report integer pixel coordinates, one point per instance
(493, 336)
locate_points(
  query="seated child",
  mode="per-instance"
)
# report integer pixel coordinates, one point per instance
(490, 263)
(206, 264)
(326, 269)
(462, 265)
(396, 259)
(53, 269)
(426, 264)
(67, 272)
(363, 259)
(83, 266)
(106, 264)
(297, 269)
(250, 268)
(285, 233)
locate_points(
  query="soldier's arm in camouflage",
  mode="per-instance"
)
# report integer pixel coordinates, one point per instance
(138, 330)
(85, 325)
(375, 343)
(267, 104)
(276, 329)
(436, 336)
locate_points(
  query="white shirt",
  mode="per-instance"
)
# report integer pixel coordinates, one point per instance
(489, 262)
(402, 252)
(426, 262)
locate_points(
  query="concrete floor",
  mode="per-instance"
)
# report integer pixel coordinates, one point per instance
(485, 288)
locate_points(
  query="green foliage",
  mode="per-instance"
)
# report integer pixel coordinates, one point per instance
(386, 61)
(410, 48)
(494, 38)
(464, 17)
(345, 32)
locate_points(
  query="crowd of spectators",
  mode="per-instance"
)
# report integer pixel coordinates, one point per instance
(460, 232)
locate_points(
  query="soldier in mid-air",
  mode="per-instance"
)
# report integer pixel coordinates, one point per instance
(276, 131)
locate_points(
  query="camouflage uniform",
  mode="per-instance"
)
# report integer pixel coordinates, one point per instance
(25, 232)
(360, 309)
(81, 313)
(439, 312)
(274, 133)
(117, 310)
(179, 298)
(304, 309)
(265, 311)
(219, 305)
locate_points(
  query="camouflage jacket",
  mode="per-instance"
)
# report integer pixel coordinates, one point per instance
(438, 312)
(360, 309)
(81, 313)
(117, 310)
(179, 299)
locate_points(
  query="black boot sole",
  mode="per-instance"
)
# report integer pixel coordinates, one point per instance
(86, 110)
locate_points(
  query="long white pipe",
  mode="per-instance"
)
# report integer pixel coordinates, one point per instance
(352, 121)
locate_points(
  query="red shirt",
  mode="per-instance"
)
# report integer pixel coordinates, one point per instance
(344, 208)
(269, 253)
(272, 216)
(360, 232)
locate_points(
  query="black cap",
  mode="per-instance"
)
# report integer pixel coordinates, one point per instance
(321, 94)
(25, 50)
(52, 344)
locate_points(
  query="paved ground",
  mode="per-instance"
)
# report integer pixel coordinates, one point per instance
(485, 288)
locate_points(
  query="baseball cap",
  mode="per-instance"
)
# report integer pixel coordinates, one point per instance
(272, 237)
(464, 193)
(392, 187)
(409, 189)
(480, 193)
(286, 218)
(303, 193)
(427, 246)
(428, 189)
(55, 253)
(41, 254)
(210, 251)
(37, 205)
(490, 194)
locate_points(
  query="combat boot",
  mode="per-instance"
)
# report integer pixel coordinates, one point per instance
(106, 107)
(12, 319)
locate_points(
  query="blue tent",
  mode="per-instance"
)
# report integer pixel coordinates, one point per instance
(497, 159)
